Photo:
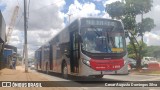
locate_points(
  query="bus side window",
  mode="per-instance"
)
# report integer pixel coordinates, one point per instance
(58, 54)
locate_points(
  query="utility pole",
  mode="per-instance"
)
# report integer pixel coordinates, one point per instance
(69, 15)
(23, 56)
(25, 37)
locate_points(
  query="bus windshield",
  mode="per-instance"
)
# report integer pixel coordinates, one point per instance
(102, 40)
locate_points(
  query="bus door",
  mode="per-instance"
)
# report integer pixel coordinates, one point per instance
(40, 59)
(51, 57)
(74, 52)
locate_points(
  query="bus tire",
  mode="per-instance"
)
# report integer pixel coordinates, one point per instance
(64, 70)
(98, 76)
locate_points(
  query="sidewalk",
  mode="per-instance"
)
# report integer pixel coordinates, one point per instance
(20, 75)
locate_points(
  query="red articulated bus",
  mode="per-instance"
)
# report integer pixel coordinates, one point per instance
(86, 47)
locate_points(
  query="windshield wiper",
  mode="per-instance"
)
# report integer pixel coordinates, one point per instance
(96, 31)
(108, 38)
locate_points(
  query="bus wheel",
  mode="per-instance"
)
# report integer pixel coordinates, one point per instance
(98, 76)
(64, 71)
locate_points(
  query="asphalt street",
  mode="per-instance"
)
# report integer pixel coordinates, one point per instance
(96, 84)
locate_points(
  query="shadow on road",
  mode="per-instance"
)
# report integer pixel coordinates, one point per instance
(78, 78)
(83, 81)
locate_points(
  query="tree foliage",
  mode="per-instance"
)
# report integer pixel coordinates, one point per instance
(131, 53)
(135, 7)
(127, 11)
(115, 10)
(145, 26)
(153, 51)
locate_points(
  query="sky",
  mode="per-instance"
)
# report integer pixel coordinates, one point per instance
(47, 17)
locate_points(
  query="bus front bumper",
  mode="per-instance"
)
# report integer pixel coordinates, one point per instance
(88, 71)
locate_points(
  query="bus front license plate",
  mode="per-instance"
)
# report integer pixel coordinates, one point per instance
(107, 72)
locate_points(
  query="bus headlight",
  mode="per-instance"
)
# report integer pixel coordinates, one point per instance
(125, 58)
(125, 62)
(86, 62)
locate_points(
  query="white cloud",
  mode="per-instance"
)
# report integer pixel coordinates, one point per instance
(157, 8)
(98, 0)
(110, 1)
(82, 10)
(16, 39)
(45, 20)
(152, 39)
(106, 15)
(44, 14)
(154, 14)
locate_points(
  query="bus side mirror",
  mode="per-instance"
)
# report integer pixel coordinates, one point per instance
(126, 34)
(66, 52)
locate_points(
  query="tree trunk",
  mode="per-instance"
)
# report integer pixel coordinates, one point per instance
(140, 45)
(137, 52)
(134, 46)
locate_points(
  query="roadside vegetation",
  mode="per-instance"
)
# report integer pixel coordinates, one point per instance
(127, 11)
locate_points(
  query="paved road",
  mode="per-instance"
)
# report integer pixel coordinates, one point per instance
(133, 77)
(98, 85)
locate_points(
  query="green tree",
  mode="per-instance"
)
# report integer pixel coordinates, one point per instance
(145, 26)
(156, 53)
(153, 51)
(127, 12)
(131, 53)
(115, 10)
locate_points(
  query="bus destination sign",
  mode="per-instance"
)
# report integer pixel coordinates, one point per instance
(99, 22)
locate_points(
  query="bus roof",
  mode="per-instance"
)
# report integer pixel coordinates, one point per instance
(78, 19)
